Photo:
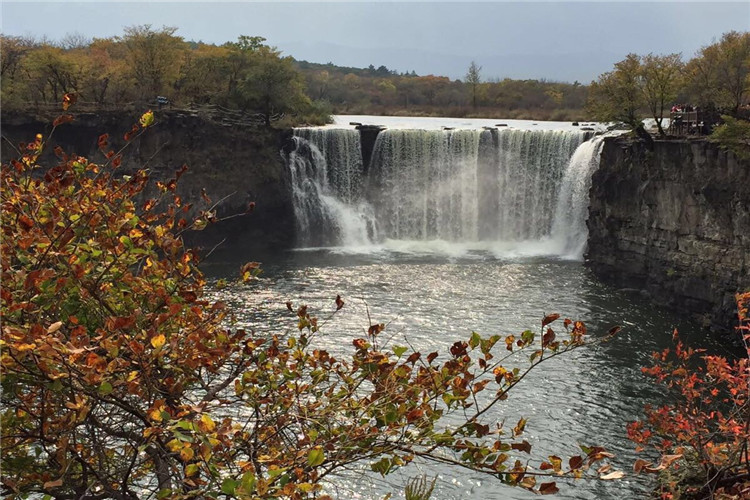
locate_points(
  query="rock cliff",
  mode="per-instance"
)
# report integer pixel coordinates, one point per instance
(674, 222)
(234, 163)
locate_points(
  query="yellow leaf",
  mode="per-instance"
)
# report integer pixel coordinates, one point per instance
(207, 424)
(147, 118)
(158, 341)
(54, 327)
(155, 414)
(25, 347)
(305, 487)
(186, 454)
(191, 470)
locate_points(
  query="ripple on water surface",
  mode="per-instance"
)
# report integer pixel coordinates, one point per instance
(433, 299)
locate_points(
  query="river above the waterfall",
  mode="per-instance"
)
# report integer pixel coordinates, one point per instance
(431, 298)
(439, 123)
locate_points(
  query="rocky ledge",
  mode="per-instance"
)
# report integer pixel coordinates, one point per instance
(673, 220)
(232, 163)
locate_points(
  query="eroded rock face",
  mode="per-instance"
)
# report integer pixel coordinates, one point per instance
(674, 222)
(233, 163)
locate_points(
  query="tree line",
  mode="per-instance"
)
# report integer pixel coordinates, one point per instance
(252, 76)
(716, 81)
(384, 91)
(146, 62)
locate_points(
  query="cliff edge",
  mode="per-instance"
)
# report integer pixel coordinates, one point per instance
(674, 222)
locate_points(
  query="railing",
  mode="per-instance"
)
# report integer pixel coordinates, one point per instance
(685, 122)
(213, 112)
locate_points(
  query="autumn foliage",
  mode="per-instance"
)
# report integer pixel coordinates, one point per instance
(121, 380)
(708, 427)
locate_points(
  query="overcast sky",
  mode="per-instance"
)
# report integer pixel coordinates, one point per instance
(555, 40)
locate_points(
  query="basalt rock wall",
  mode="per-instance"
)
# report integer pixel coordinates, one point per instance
(674, 222)
(232, 163)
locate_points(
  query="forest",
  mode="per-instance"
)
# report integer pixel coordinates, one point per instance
(251, 76)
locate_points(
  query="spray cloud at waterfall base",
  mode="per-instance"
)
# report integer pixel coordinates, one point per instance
(458, 193)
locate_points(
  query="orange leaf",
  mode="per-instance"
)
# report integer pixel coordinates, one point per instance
(62, 119)
(53, 484)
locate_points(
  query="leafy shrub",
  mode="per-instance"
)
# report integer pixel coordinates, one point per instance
(703, 438)
(733, 135)
(120, 380)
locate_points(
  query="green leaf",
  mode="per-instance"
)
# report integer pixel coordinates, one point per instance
(383, 466)
(399, 350)
(527, 337)
(316, 456)
(228, 486)
(105, 388)
(248, 482)
(475, 340)
(163, 493)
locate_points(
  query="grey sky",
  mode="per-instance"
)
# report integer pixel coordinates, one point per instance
(553, 40)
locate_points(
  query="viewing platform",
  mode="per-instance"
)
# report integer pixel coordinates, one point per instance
(686, 122)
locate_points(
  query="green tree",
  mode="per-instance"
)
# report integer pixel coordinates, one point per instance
(473, 78)
(719, 76)
(153, 57)
(617, 95)
(12, 52)
(272, 86)
(661, 81)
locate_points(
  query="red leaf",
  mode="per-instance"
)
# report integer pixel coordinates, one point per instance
(289, 306)
(549, 319)
(339, 302)
(548, 337)
(53, 484)
(62, 119)
(548, 488)
(524, 446)
(26, 222)
(68, 100)
(375, 329)
(575, 462)
(431, 357)
(103, 141)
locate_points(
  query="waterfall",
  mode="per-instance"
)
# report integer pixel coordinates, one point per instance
(468, 185)
(569, 227)
(326, 177)
(454, 186)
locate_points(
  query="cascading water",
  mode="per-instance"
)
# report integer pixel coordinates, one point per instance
(457, 186)
(326, 177)
(423, 184)
(569, 227)
(469, 185)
